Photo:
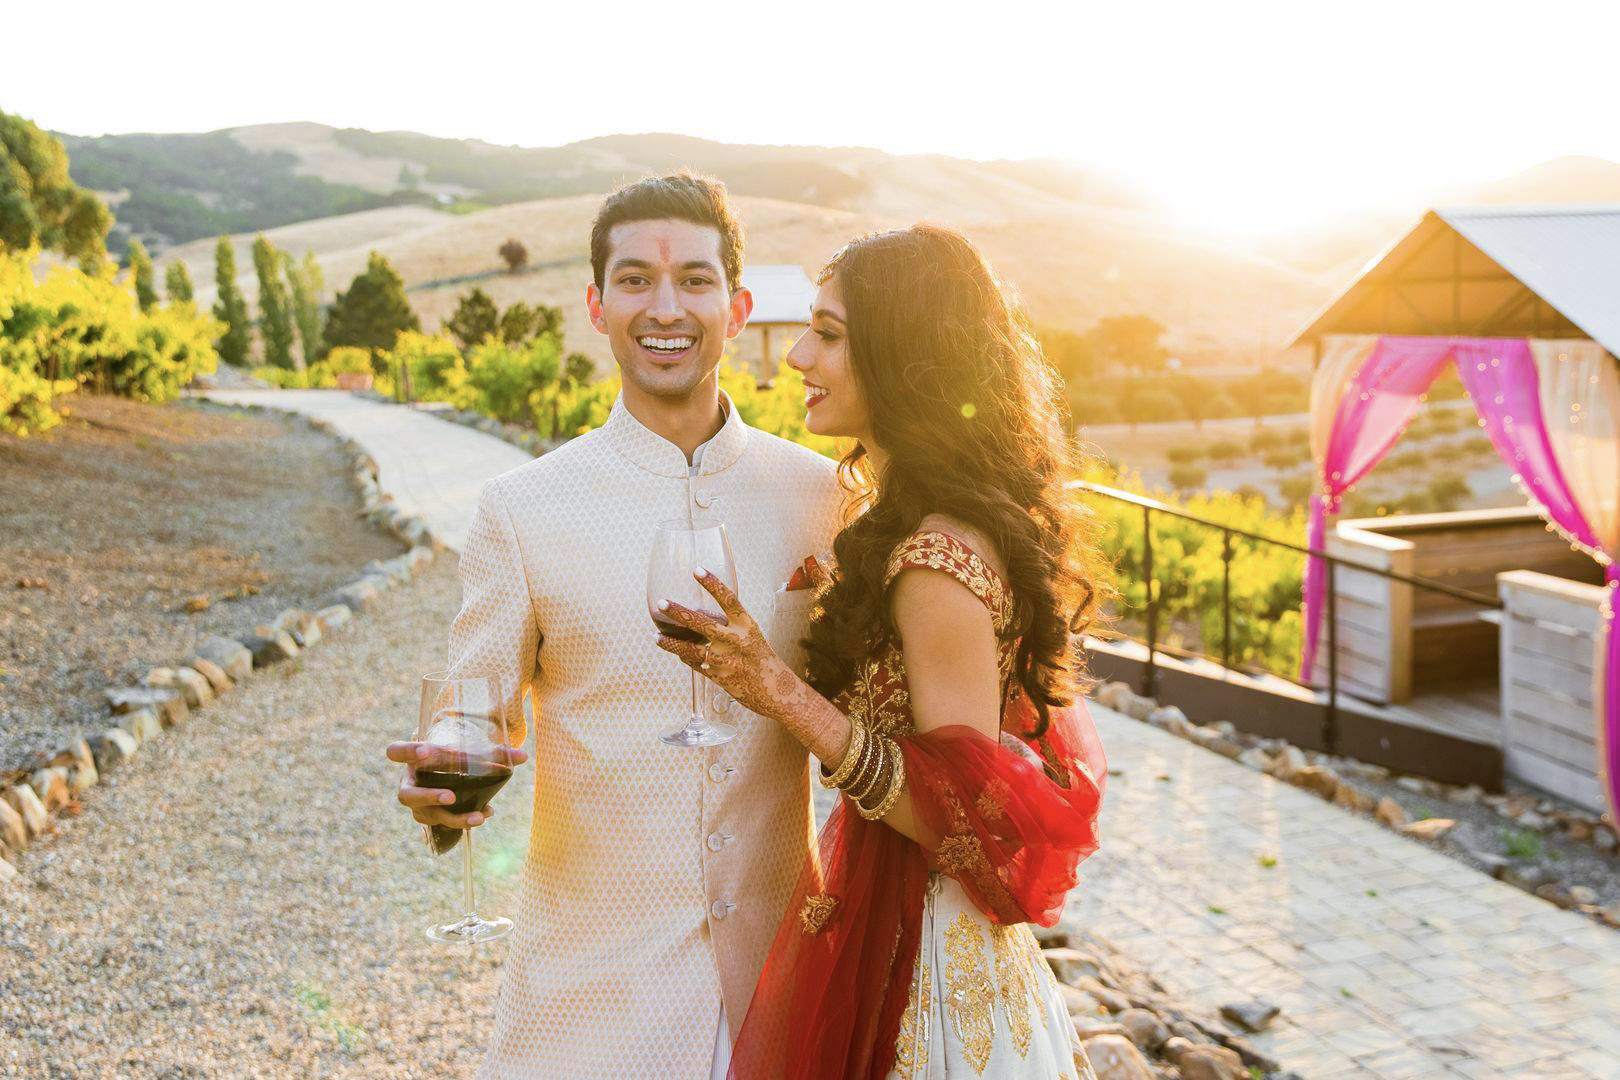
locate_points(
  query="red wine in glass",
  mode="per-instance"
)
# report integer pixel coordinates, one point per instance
(473, 792)
(679, 547)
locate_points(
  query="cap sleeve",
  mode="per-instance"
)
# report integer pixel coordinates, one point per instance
(935, 550)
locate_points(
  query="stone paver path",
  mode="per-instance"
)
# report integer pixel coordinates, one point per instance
(1389, 959)
(431, 467)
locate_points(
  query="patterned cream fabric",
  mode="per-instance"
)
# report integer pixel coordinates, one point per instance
(656, 875)
(984, 1002)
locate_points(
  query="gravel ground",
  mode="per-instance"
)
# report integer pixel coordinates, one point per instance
(122, 514)
(267, 922)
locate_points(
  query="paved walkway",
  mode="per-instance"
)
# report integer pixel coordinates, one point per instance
(1389, 960)
(431, 467)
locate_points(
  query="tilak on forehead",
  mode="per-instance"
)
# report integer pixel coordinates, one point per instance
(663, 248)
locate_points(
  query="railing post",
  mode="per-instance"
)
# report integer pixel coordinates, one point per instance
(1149, 675)
(1226, 599)
(1330, 719)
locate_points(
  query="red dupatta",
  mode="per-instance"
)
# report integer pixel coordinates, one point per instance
(1011, 821)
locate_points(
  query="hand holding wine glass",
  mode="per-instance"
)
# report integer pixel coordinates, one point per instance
(679, 547)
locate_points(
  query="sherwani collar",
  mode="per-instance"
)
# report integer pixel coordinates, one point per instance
(641, 446)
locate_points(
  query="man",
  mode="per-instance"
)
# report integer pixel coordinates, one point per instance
(656, 875)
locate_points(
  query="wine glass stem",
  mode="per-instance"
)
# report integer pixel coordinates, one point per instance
(466, 862)
(697, 717)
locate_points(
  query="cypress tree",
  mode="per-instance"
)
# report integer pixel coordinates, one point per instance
(373, 311)
(177, 282)
(275, 320)
(305, 283)
(140, 269)
(230, 308)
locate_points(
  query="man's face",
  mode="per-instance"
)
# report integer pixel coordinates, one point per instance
(665, 306)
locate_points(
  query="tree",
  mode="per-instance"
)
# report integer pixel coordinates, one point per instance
(515, 254)
(140, 269)
(1129, 341)
(578, 369)
(476, 318)
(521, 323)
(373, 311)
(177, 283)
(40, 203)
(275, 319)
(305, 282)
(1070, 353)
(229, 307)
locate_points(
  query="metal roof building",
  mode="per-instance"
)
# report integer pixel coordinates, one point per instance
(783, 295)
(1534, 271)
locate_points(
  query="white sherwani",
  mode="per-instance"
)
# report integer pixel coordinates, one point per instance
(656, 875)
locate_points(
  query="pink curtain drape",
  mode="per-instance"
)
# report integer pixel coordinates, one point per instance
(1375, 398)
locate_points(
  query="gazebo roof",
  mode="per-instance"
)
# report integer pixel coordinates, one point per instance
(1548, 271)
(782, 294)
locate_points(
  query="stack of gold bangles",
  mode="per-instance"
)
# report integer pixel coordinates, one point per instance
(872, 773)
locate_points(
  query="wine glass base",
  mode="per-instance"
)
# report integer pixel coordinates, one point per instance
(695, 734)
(470, 930)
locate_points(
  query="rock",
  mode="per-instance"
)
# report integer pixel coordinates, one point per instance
(1493, 864)
(1250, 1015)
(1576, 829)
(1429, 828)
(1256, 759)
(1224, 747)
(357, 596)
(1140, 708)
(1190, 1032)
(1365, 770)
(13, 833)
(1166, 716)
(1111, 999)
(1111, 695)
(51, 785)
(1071, 965)
(334, 617)
(1529, 877)
(1530, 819)
(1348, 795)
(160, 678)
(303, 627)
(143, 724)
(270, 647)
(1467, 796)
(8, 873)
(1315, 778)
(218, 681)
(194, 687)
(1146, 1030)
(1391, 813)
(1611, 915)
(83, 776)
(1114, 1057)
(1287, 761)
(1582, 894)
(232, 657)
(1603, 838)
(25, 801)
(112, 748)
(1211, 1062)
(421, 557)
(1089, 1027)
(1554, 892)
(168, 705)
(1080, 1003)
(200, 602)
(1050, 937)
(74, 755)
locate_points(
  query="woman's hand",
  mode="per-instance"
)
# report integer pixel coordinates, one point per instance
(736, 657)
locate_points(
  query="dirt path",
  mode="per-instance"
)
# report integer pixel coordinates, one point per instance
(246, 898)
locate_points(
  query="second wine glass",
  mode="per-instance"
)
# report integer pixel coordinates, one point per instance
(678, 548)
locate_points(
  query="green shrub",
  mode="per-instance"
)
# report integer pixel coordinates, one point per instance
(1226, 450)
(1181, 455)
(1297, 488)
(1186, 477)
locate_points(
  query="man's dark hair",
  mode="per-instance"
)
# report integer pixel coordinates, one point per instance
(681, 197)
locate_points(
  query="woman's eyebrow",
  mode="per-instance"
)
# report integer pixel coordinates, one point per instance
(827, 313)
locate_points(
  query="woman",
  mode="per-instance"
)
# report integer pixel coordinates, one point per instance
(938, 688)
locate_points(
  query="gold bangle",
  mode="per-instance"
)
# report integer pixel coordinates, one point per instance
(871, 761)
(892, 795)
(868, 780)
(852, 757)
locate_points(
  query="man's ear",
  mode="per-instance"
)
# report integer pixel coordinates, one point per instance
(742, 306)
(593, 306)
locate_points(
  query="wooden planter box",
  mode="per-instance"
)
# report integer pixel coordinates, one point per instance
(351, 380)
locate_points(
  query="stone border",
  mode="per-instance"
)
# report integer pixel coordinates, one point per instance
(168, 695)
(1131, 1029)
(1326, 775)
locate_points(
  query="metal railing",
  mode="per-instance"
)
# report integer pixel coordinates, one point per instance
(1228, 532)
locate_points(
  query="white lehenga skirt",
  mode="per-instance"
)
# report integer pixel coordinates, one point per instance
(983, 1001)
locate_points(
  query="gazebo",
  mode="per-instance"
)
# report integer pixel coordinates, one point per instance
(1525, 302)
(783, 295)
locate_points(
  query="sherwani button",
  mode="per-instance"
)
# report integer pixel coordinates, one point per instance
(704, 498)
(720, 909)
(716, 841)
(717, 771)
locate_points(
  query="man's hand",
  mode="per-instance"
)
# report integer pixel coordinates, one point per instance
(427, 805)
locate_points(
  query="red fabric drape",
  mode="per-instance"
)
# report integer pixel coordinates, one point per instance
(1010, 829)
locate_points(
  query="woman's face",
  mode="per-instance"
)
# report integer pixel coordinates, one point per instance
(834, 403)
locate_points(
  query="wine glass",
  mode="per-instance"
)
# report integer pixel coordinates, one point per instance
(679, 547)
(461, 727)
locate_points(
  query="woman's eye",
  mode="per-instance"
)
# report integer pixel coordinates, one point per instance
(827, 335)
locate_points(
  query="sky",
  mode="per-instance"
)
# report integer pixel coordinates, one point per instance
(1240, 116)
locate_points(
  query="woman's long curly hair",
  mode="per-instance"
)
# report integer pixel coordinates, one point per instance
(971, 417)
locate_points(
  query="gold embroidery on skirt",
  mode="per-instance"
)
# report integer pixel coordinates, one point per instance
(911, 1048)
(816, 911)
(968, 992)
(1012, 977)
